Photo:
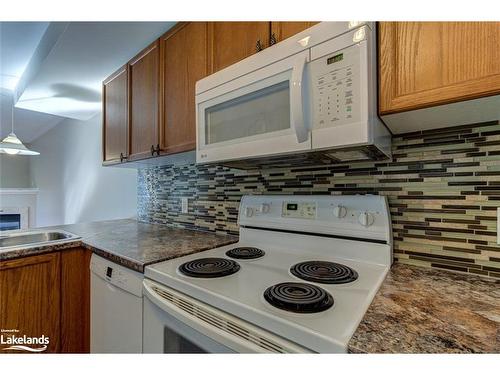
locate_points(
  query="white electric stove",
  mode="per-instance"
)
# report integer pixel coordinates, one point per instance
(300, 279)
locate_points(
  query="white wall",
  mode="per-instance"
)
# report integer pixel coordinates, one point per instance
(15, 171)
(74, 187)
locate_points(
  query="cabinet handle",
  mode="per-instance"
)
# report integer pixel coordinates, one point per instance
(258, 46)
(155, 150)
(273, 40)
(122, 157)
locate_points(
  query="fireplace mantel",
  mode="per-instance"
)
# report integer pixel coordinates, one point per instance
(19, 190)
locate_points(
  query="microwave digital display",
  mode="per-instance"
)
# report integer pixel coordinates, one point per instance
(291, 206)
(335, 58)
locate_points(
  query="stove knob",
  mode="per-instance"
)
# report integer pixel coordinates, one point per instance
(264, 208)
(366, 219)
(339, 211)
(249, 212)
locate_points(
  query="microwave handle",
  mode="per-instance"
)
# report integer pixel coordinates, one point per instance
(296, 100)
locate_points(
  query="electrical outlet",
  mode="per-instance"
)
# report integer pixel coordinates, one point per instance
(184, 205)
(498, 225)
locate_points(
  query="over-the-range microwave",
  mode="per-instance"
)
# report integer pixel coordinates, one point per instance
(310, 98)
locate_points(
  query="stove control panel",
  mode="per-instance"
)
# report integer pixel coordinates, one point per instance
(366, 218)
(357, 216)
(339, 211)
(299, 209)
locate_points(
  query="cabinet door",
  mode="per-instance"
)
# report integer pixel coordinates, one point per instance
(423, 64)
(30, 298)
(115, 116)
(230, 42)
(184, 61)
(144, 102)
(283, 30)
(75, 297)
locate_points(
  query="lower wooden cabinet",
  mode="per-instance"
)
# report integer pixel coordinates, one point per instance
(30, 298)
(75, 301)
(48, 295)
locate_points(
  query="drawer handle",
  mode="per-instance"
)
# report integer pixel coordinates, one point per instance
(155, 150)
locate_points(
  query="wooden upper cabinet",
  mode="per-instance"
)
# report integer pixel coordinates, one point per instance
(30, 298)
(150, 102)
(115, 116)
(230, 42)
(283, 30)
(144, 94)
(184, 56)
(424, 64)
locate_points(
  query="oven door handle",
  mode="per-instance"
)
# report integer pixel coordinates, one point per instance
(297, 100)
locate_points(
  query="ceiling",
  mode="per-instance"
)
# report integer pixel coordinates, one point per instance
(18, 40)
(55, 70)
(29, 125)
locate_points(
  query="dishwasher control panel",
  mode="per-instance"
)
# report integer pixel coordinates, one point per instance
(117, 275)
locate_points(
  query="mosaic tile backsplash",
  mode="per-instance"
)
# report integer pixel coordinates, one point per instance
(443, 188)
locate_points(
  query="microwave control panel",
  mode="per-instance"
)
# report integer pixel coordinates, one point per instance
(335, 80)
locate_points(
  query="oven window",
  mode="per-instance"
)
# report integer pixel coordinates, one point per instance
(175, 343)
(260, 112)
(10, 221)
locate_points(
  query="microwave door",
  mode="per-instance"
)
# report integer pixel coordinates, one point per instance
(259, 114)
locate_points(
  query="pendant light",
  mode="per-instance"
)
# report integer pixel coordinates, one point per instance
(12, 145)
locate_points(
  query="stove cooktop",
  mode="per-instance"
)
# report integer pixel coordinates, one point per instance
(323, 324)
(324, 272)
(209, 267)
(298, 297)
(245, 252)
(306, 268)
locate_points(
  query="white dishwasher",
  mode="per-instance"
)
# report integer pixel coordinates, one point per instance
(116, 308)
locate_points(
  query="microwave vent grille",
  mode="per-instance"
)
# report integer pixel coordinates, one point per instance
(323, 157)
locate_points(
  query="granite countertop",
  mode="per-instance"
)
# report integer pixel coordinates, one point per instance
(421, 310)
(131, 243)
(416, 310)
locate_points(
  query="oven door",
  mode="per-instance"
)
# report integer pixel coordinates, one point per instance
(162, 333)
(177, 323)
(261, 113)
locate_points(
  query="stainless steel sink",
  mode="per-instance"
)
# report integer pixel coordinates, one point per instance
(34, 238)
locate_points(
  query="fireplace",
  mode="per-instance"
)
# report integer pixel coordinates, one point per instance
(10, 221)
(18, 208)
(13, 218)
